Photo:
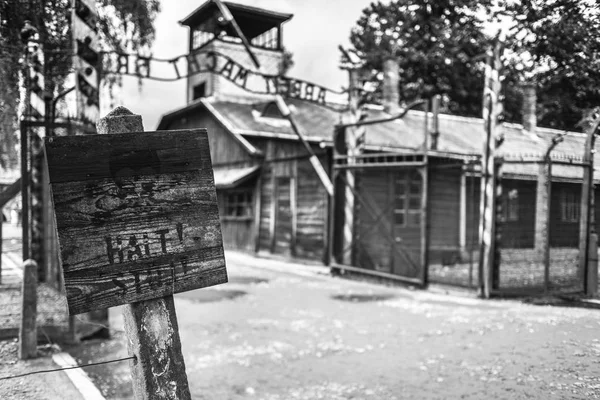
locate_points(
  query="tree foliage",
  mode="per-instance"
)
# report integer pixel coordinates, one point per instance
(436, 43)
(123, 25)
(556, 45)
(439, 44)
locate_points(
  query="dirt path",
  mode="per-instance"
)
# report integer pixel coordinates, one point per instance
(273, 335)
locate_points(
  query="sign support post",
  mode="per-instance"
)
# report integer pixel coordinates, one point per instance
(158, 369)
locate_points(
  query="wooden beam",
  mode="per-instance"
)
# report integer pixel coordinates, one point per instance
(1, 240)
(294, 209)
(10, 192)
(257, 211)
(586, 212)
(158, 369)
(273, 216)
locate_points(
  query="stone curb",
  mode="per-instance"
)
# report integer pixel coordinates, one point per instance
(78, 377)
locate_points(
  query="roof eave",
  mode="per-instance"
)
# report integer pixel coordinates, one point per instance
(282, 17)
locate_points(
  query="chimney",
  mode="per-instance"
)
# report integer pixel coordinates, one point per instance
(391, 81)
(435, 132)
(529, 105)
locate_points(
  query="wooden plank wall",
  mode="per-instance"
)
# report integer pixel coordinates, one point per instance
(266, 204)
(284, 239)
(224, 149)
(310, 212)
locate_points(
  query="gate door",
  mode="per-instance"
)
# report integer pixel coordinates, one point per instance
(282, 242)
(388, 235)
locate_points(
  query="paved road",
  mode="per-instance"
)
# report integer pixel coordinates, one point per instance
(275, 335)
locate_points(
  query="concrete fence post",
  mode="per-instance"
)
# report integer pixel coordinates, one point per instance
(28, 329)
(592, 271)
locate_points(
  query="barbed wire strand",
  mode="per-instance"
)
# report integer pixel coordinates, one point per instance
(43, 371)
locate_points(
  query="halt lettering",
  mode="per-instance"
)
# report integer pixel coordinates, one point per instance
(134, 247)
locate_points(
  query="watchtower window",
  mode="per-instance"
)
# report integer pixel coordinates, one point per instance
(262, 28)
(272, 111)
(200, 38)
(268, 39)
(199, 90)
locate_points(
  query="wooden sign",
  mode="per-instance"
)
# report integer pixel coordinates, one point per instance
(136, 215)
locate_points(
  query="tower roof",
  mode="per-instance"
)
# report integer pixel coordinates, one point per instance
(253, 21)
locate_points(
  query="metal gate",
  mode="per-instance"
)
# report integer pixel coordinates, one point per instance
(380, 221)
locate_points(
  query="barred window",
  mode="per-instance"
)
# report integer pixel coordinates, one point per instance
(238, 204)
(407, 207)
(569, 206)
(511, 205)
(200, 38)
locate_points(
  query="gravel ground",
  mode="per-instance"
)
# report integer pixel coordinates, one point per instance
(272, 335)
(51, 307)
(47, 386)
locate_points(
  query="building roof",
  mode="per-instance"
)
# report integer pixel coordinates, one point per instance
(464, 137)
(244, 118)
(459, 137)
(231, 177)
(252, 20)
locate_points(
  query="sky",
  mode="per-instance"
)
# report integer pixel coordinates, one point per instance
(312, 35)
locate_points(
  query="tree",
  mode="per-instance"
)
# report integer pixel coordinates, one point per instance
(437, 44)
(124, 25)
(555, 44)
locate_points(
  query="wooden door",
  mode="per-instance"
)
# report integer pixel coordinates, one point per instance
(283, 233)
(407, 220)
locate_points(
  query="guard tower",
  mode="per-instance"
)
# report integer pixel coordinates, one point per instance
(209, 32)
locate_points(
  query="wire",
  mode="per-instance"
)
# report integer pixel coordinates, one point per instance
(62, 369)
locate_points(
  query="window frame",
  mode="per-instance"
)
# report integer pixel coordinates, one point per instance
(570, 206)
(232, 202)
(407, 181)
(200, 85)
(511, 205)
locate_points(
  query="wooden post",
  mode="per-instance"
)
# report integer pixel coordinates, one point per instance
(257, 212)
(1, 240)
(158, 369)
(25, 182)
(424, 259)
(586, 200)
(28, 330)
(294, 209)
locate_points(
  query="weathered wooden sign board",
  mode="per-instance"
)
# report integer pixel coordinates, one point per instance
(136, 215)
